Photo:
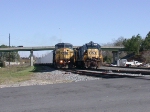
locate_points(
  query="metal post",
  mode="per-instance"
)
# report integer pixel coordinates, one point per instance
(9, 47)
(31, 58)
(60, 35)
(115, 56)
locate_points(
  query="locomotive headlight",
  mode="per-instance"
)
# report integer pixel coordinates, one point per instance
(61, 61)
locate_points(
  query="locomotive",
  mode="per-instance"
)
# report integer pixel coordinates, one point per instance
(63, 55)
(88, 56)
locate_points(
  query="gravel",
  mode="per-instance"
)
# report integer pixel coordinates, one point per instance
(49, 76)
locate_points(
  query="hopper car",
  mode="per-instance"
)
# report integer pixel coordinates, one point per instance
(88, 56)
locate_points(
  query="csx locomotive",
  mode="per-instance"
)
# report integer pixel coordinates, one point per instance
(63, 55)
(88, 56)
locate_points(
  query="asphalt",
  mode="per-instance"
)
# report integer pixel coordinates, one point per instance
(104, 95)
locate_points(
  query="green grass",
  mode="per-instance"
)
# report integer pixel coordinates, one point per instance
(14, 74)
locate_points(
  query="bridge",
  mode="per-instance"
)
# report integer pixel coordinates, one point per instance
(40, 48)
(114, 49)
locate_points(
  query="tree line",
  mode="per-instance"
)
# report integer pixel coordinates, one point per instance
(135, 44)
(9, 56)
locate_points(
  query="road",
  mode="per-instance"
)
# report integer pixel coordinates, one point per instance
(104, 95)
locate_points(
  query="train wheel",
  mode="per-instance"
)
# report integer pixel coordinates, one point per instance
(66, 66)
(87, 64)
(98, 65)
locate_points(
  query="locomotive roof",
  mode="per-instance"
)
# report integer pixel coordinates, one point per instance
(92, 43)
(63, 44)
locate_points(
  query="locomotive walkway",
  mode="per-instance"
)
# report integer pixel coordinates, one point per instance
(114, 49)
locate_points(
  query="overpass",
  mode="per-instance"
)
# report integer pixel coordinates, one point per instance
(114, 49)
(40, 48)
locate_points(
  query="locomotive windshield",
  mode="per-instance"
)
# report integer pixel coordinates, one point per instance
(63, 45)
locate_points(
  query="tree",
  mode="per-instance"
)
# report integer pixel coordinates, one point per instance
(6, 57)
(137, 43)
(133, 44)
(107, 56)
(107, 59)
(119, 41)
(146, 56)
(146, 42)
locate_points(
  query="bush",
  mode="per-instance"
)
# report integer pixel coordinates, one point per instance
(2, 64)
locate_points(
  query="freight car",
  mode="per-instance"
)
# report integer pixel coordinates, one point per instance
(45, 60)
(88, 56)
(63, 55)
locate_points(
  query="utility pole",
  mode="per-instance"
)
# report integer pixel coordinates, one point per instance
(9, 47)
(60, 35)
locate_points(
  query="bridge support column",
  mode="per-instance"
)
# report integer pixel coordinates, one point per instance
(31, 58)
(115, 56)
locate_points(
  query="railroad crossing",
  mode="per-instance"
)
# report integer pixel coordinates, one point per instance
(115, 50)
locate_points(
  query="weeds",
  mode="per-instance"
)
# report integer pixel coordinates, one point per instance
(15, 73)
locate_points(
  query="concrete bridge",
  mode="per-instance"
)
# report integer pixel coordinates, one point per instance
(115, 50)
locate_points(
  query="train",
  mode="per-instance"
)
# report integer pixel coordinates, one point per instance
(66, 56)
(61, 57)
(89, 56)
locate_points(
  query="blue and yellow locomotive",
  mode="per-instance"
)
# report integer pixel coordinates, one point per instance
(88, 56)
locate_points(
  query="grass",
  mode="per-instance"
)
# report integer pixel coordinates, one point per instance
(14, 74)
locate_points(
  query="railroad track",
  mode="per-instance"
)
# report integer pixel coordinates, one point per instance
(111, 72)
(125, 70)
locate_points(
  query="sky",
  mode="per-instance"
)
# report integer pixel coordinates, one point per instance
(48, 22)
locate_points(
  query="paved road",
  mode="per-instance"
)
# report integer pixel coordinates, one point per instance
(104, 95)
